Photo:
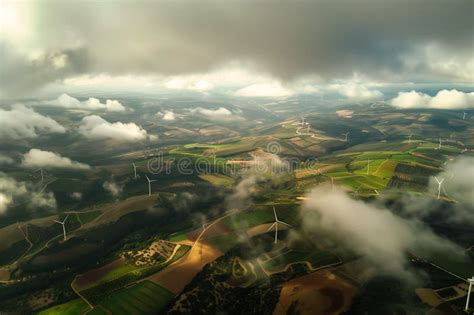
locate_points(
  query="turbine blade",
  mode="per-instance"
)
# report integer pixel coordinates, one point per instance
(274, 212)
(271, 226)
(64, 221)
(57, 221)
(284, 223)
(147, 178)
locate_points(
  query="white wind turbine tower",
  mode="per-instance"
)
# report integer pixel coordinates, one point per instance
(149, 184)
(64, 226)
(134, 170)
(345, 135)
(464, 115)
(409, 138)
(41, 172)
(213, 158)
(275, 224)
(471, 282)
(439, 145)
(440, 182)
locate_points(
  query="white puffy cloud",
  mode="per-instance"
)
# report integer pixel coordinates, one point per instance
(457, 185)
(169, 115)
(21, 122)
(47, 159)
(188, 84)
(43, 200)
(344, 113)
(264, 90)
(359, 226)
(221, 113)
(67, 101)
(10, 189)
(95, 127)
(5, 201)
(444, 99)
(357, 91)
(77, 195)
(113, 188)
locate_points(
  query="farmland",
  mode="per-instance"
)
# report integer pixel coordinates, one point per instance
(144, 297)
(203, 236)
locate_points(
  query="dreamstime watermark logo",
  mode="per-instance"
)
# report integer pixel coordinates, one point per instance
(267, 161)
(274, 147)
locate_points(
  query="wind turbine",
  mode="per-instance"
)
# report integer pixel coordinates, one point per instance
(345, 135)
(64, 226)
(134, 170)
(149, 184)
(471, 282)
(41, 172)
(440, 182)
(275, 224)
(409, 138)
(464, 115)
(439, 146)
(368, 166)
(213, 157)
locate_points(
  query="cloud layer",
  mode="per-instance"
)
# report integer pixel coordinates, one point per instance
(92, 103)
(96, 128)
(12, 190)
(444, 99)
(21, 122)
(36, 158)
(357, 92)
(326, 39)
(221, 113)
(376, 233)
(113, 188)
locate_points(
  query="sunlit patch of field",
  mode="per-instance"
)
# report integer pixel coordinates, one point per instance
(318, 170)
(103, 274)
(73, 307)
(319, 293)
(262, 229)
(177, 275)
(218, 179)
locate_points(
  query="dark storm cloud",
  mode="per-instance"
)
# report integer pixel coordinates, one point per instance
(287, 39)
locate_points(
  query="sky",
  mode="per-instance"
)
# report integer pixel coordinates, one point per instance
(252, 48)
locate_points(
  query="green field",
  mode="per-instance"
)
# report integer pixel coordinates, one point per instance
(145, 297)
(73, 307)
(117, 272)
(224, 242)
(246, 219)
(123, 278)
(218, 179)
(178, 236)
(86, 217)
